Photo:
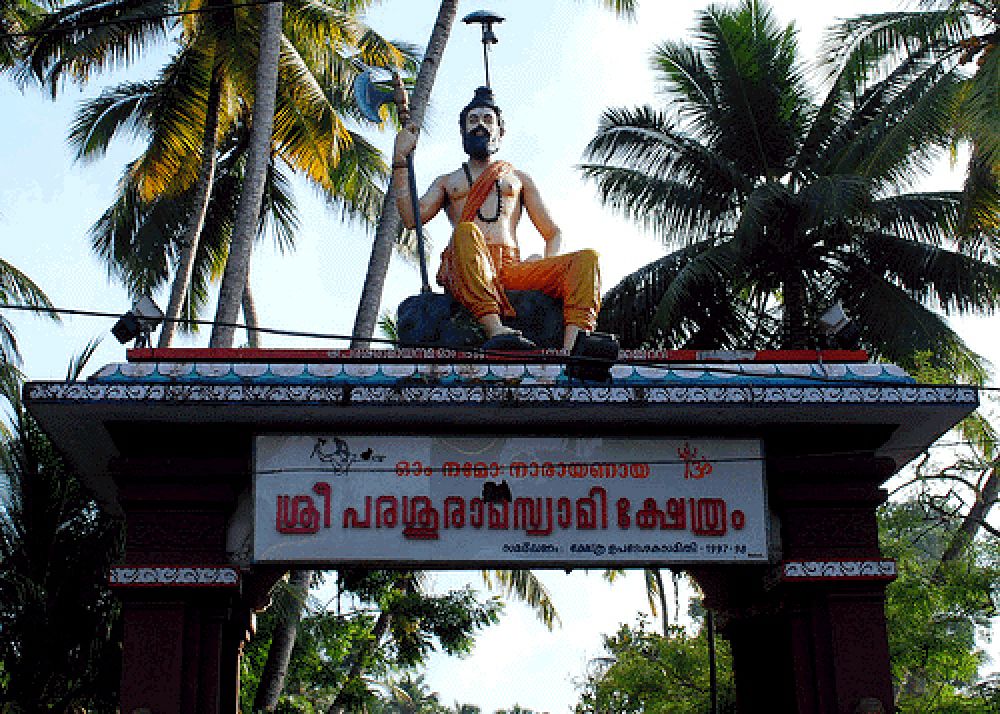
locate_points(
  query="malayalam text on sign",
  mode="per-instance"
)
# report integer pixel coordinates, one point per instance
(462, 501)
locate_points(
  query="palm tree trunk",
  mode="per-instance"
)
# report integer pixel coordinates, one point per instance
(192, 231)
(389, 223)
(272, 677)
(664, 615)
(248, 210)
(250, 315)
(795, 329)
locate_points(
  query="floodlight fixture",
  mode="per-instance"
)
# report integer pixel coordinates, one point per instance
(839, 329)
(592, 357)
(138, 323)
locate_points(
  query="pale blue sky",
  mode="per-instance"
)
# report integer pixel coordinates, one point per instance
(559, 63)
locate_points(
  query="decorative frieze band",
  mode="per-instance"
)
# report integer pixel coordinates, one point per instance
(436, 393)
(175, 576)
(802, 570)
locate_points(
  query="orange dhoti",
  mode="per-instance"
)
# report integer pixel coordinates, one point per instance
(476, 274)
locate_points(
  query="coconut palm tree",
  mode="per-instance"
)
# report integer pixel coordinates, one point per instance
(234, 279)
(410, 694)
(952, 33)
(780, 205)
(199, 96)
(304, 121)
(269, 60)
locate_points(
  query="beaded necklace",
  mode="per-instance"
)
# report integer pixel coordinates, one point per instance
(479, 213)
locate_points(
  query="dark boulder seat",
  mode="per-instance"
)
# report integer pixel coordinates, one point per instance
(437, 320)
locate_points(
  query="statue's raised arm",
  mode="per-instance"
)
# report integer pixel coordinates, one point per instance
(432, 201)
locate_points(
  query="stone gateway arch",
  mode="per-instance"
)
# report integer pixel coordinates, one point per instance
(757, 473)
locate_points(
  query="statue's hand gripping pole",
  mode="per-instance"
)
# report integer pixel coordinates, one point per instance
(403, 109)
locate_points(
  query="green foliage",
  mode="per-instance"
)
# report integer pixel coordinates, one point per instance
(331, 643)
(410, 695)
(419, 619)
(146, 229)
(16, 16)
(60, 641)
(933, 610)
(654, 674)
(314, 673)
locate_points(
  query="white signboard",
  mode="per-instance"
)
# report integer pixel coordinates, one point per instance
(481, 501)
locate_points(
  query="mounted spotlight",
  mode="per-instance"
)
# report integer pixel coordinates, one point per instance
(838, 329)
(138, 323)
(592, 356)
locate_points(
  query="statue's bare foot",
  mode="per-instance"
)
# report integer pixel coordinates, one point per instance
(509, 339)
(501, 337)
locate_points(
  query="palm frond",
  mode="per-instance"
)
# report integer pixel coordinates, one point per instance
(79, 361)
(930, 274)
(621, 8)
(176, 119)
(931, 217)
(908, 134)
(759, 87)
(651, 173)
(99, 120)
(168, 112)
(980, 110)
(861, 48)
(895, 326)
(979, 226)
(524, 585)
(279, 213)
(16, 288)
(682, 72)
(93, 35)
(828, 199)
(16, 18)
(134, 237)
(308, 133)
(708, 305)
(682, 299)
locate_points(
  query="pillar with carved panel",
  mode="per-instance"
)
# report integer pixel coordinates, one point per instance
(819, 607)
(187, 609)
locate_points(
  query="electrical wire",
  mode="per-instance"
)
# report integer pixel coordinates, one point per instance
(706, 367)
(577, 359)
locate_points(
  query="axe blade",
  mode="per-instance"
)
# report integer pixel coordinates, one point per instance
(369, 97)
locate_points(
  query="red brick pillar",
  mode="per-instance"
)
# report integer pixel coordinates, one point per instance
(185, 612)
(808, 633)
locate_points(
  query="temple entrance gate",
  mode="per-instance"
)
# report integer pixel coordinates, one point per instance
(758, 473)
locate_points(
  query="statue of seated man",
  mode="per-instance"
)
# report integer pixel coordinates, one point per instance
(484, 200)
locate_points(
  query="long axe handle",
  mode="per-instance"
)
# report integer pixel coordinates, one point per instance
(403, 108)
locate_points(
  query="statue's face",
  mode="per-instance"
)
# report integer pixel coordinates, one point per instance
(481, 133)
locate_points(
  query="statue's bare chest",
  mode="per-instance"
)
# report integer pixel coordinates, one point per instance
(457, 187)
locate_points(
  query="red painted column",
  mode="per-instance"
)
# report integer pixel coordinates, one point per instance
(185, 612)
(808, 632)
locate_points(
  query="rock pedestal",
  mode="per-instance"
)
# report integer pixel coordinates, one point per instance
(437, 320)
